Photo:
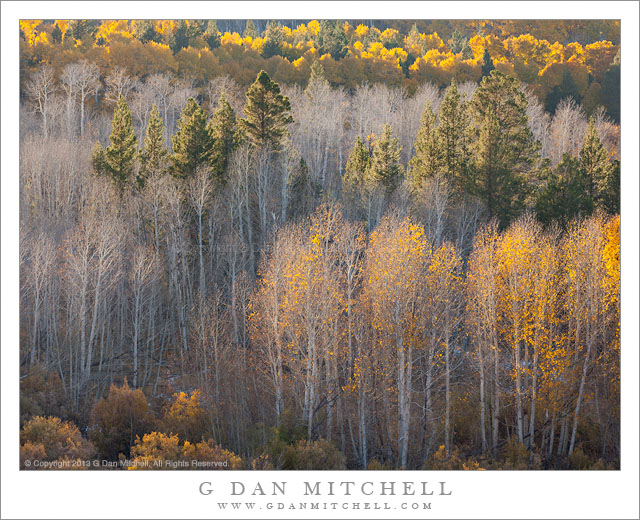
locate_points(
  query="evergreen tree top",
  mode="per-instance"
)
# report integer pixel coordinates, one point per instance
(267, 113)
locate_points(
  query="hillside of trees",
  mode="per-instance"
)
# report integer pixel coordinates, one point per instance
(300, 275)
(556, 58)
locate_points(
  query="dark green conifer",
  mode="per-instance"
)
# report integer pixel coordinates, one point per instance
(428, 160)
(506, 156)
(192, 144)
(602, 186)
(453, 130)
(118, 160)
(385, 168)
(564, 195)
(487, 63)
(154, 156)
(356, 169)
(211, 35)
(274, 37)
(222, 129)
(267, 114)
(332, 40)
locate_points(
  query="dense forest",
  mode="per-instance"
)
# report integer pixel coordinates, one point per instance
(556, 58)
(323, 270)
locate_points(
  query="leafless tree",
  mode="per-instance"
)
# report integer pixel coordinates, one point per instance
(119, 83)
(41, 89)
(567, 130)
(81, 79)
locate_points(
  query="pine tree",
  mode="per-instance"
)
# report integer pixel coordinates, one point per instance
(428, 160)
(564, 196)
(452, 136)
(267, 113)
(179, 39)
(144, 31)
(274, 37)
(611, 85)
(222, 128)
(358, 185)
(56, 34)
(118, 160)
(332, 40)
(505, 154)
(356, 169)
(77, 29)
(304, 191)
(597, 170)
(153, 158)
(612, 200)
(250, 30)
(456, 42)
(567, 88)
(385, 168)
(487, 63)
(193, 143)
(316, 77)
(211, 35)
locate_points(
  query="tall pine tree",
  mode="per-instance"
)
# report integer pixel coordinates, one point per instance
(211, 35)
(602, 185)
(385, 168)
(317, 78)
(153, 159)
(267, 113)
(353, 181)
(118, 160)
(452, 133)
(193, 143)
(250, 30)
(332, 40)
(428, 160)
(505, 153)
(274, 38)
(487, 63)
(222, 128)
(565, 195)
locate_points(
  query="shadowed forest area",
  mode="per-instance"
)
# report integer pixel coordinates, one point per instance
(325, 246)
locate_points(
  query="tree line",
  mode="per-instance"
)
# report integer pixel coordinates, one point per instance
(565, 58)
(312, 292)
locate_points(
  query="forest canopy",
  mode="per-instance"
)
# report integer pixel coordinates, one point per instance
(556, 58)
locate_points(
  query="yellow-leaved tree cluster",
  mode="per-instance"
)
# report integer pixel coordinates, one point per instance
(566, 58)
(524, 332)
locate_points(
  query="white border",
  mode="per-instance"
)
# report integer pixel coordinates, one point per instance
(164, 495)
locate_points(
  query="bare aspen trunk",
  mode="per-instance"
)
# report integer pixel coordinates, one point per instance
(496, 399)
(428, 400)
(404, 400)
(482, 401)
(252, 256)
(362, 426)
(533, 401)
(83, 334)
(34, 332)
(82, 115)
(447, 426)
(561, 440)
(203, 286)
(518, 389)
(552, 434)
(585, 367)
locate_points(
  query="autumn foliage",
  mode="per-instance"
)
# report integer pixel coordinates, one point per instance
(323, 247)
(548, 60)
